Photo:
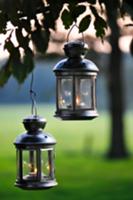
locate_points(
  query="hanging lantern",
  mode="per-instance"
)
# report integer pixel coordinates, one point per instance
(35, 156)
(75, 77)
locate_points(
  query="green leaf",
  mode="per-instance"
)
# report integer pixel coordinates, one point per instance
(14, 61)
(10, 7)
(51, 13)
(94, 11)
(49, 21)
(75, 11)
(127, 8)
(40, 40)
(28, 62)
(25, 23)
(21, 69)
(9, 46)
(3, 22)
(100, 26)
(92, 1)
(66, 18)
(72, 5)
(55, 7)
(5, 73)
(16, 65)
(23, 41)
(79, 10)
(84, 24)
(99, 23)
(29, 8)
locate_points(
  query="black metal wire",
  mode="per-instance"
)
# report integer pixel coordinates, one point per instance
(33, 96)
(72, 27)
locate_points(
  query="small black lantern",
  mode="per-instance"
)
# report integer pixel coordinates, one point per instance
(35, 156)
(75, 81)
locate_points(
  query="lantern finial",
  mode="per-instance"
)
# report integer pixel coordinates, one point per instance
(75, 48)
(33, 123)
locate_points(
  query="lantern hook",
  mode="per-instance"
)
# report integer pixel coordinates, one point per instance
(72, 27)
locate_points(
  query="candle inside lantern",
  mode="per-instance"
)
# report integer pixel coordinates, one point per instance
(78, 101)
(64, 103)
(61, 102)
(48, 167)
(33, 171)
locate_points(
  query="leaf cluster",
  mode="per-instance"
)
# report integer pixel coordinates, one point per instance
(29, 21)
(32, 20)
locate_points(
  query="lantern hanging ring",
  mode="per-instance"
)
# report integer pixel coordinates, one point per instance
(71, 29)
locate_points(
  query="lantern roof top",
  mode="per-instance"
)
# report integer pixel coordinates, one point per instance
(75, 62)
(75, 65)
(34, 135)
(75, 48)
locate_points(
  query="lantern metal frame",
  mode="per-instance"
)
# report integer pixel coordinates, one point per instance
(35, 140)
(76, 68)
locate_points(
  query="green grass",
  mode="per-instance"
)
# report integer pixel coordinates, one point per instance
(81, 168)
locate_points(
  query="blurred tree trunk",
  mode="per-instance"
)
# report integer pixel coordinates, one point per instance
(117, 145)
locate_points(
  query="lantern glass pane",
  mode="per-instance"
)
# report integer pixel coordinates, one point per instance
(65, 93)
(29, 165)
(47, 163)
(84, 93)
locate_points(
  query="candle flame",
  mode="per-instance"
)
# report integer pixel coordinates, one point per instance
(35, 170)
(48, 167)
(78, 100)
(61, 101)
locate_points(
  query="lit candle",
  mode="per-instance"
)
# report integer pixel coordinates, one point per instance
(33, 170)
(48, 167)
(78, 101)
(34, 173)
(61, 102)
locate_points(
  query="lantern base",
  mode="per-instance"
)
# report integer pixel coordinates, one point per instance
(76, 115)
(28, 185)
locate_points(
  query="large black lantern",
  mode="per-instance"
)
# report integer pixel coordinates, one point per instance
(35, 156)
(75, 93)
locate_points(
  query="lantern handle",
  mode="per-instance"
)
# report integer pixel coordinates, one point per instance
(69, 32)
(32, 96)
